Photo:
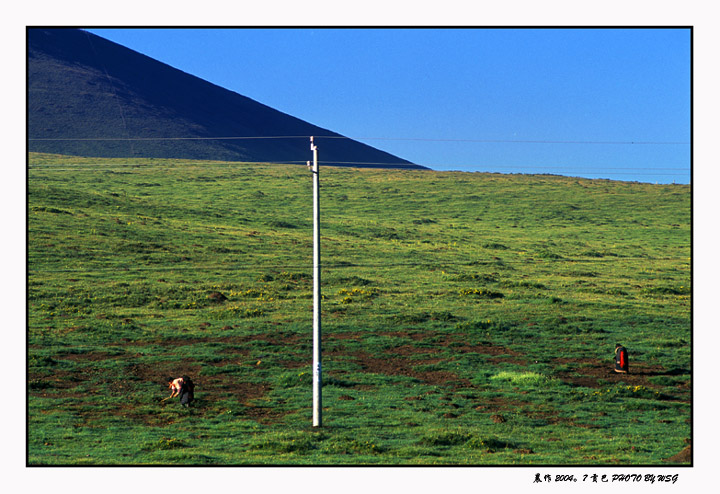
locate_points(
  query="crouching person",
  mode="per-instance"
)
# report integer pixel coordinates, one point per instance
(621, 359)
(182, 387)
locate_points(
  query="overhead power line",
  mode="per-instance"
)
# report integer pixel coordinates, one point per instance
(162, 138)
(511, 141)
(424, 139)
(489, 168)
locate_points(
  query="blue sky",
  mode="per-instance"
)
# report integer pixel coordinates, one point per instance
(465, 99)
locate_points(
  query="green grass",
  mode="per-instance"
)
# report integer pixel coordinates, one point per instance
(467, 318)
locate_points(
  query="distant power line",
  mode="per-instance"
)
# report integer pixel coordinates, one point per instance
(511, 141)
(162, 138)
(426, 139)
(637, 171)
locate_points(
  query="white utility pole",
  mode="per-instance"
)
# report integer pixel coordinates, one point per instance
(317, 355)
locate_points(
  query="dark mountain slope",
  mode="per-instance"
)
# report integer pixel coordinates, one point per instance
(81, 86)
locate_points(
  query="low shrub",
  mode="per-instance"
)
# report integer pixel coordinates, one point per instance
(480, 293)
(164, 444)
(445, 438)
(490, 445)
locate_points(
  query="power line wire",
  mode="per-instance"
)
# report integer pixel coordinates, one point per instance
(228, 138)
(442, 166)
(423, 139)
(511, 141)
(507, 166)
(454, 166)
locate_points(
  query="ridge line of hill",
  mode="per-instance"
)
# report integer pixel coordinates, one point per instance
(88, 96)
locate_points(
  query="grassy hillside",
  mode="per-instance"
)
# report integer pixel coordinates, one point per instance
(467, 318)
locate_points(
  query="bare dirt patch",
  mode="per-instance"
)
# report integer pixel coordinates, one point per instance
(455, 341)
(405, 358)
(400, 367)
(591, 373)
(684, 456)
(88, 356)
(413, 335)
(409, 350)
